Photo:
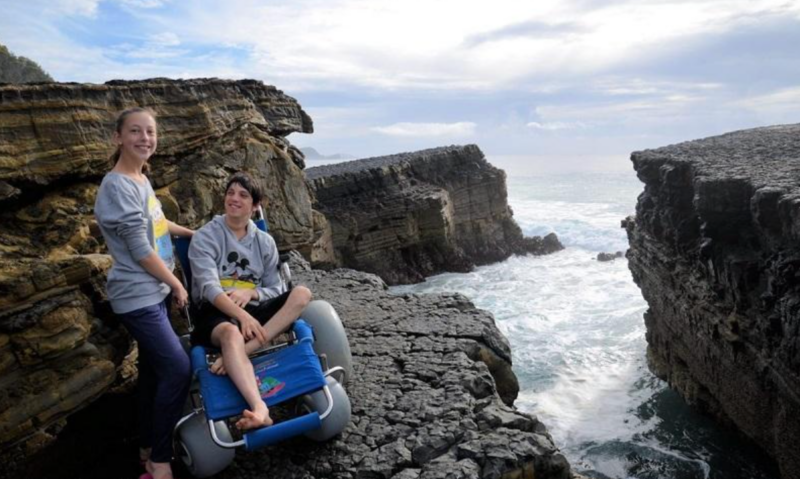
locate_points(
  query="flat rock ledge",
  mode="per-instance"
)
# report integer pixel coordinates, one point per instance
(714, 249)
(427, 394)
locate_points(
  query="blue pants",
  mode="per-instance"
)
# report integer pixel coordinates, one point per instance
(164, 377)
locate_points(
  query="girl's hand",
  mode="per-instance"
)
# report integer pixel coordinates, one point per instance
(180, 295)
(241, 297)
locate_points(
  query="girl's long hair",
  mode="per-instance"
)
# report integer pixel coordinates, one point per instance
(118, 128)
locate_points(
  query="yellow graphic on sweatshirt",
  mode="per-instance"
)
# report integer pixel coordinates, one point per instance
(163, 243)
(236, 283)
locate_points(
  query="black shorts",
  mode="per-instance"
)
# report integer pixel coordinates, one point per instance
(207, 317)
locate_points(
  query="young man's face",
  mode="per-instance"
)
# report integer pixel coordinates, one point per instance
(238, 202)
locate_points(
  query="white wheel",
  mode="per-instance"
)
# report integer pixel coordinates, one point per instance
(339, 417)
(330, 338)
(201, 455)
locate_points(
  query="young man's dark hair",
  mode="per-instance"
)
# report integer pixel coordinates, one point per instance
(246, 181)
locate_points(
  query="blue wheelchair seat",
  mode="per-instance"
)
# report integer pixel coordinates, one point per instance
(281, 375)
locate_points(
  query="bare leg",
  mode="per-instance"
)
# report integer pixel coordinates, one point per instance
(240, 370)
(295, 304)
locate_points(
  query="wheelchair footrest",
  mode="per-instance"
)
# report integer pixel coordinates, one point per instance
(281, 431)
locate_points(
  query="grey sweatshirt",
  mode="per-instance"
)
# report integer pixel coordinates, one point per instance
(133, 224)
(221, 262)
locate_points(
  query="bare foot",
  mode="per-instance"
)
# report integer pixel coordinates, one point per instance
(218, 367)
(254, 419)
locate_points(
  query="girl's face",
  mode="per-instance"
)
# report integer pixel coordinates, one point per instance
(138, 138)
(238, 202)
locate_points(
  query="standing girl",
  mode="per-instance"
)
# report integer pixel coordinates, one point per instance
(138, 237)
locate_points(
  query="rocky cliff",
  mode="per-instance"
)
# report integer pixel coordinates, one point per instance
(408, 216)
(715, 248)
(60, 346)
(433, 388)
(430, 395)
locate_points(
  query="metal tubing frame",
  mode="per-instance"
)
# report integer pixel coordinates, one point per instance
(220, 442)
(337, 369)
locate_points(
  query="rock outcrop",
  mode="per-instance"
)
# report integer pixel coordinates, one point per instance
(60, 346)
(433, 388)
(408, 216)
(430, 397)
(715, 248)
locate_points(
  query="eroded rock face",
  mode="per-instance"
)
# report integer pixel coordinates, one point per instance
(60, 345)
(408, 216)
(715, 248)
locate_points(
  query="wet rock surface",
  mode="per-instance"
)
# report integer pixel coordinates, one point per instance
(714, 248)
(411, 215)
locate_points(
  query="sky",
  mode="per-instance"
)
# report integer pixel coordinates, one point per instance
(572, 84)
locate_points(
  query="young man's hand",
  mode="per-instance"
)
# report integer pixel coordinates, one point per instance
(251, 329)
(241, 297)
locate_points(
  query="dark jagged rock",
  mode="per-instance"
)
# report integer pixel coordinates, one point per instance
(715, 248)
(408, 216)
(605, 257)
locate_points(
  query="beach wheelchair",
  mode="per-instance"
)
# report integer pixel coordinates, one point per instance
(309, 369)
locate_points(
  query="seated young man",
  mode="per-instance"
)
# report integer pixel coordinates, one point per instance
(236, 291)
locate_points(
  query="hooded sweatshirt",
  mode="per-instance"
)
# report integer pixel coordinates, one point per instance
(221, 262)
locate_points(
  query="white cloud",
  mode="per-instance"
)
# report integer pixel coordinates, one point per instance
(86, 8)
(784, 99)
(556, 125)
(462, 128)
(144, 3)
(419, 44)
(167, 39)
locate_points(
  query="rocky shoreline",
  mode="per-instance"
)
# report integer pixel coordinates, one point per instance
(714, 249)
(434, 388)
(431, 396)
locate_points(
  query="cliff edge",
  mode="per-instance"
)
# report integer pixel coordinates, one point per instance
(408, 216)
(715, 249)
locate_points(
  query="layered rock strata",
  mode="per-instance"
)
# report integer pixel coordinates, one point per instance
(407, 216)
(715, 248)
(60, 346)
(430, 397)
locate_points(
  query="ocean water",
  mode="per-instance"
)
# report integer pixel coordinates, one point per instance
(578, 338)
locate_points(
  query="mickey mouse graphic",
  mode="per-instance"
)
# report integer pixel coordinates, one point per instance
(238, 268)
